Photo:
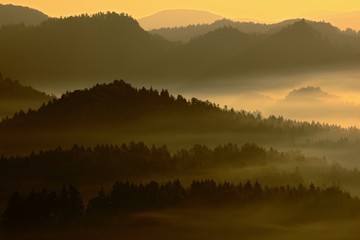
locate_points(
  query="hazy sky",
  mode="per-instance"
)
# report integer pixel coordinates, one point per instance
(256, 9)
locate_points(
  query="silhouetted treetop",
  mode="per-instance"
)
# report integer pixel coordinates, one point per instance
(85, 45)
(109, 162)
(120, 104)
(111, 44)
(43, 209)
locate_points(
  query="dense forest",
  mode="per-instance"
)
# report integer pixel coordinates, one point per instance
(261, 176)
(47, 51)
(187, 33)
(118, 112)
(119, 102)
(126, 50)
(136, 160)
(49, 209)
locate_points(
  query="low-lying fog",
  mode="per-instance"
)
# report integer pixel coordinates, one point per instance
(328, 96)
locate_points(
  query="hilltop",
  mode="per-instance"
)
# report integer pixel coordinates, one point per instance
(177, 18)
(78, 47)
(11, 14)
(187, 33)
(118, 112)
(110, 46)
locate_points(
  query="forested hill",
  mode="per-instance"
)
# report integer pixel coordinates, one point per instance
(187, 33)
(80, 46)
(11, 14)
(118, 112)
(119, 103)
(297, 46)
(15, 97)
(82, 49)
(14, 91)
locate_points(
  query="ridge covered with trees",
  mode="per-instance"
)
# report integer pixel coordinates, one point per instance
(136, 160)
(50, 209)
(109, 45)
(119, 110)
(15, 96)
(12, 15)
(77, 47)
(14, 90)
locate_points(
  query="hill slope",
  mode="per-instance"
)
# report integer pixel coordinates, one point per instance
(177, 18)
(189, 32)
(10, 14)
(77, 47)
(296, 46)
(117, 113)
(14, 97)
(111, 46)
(226, 51)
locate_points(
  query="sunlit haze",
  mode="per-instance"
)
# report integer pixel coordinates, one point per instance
(264, 10)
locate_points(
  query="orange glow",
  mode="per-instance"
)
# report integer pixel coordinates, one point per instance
(255, 9)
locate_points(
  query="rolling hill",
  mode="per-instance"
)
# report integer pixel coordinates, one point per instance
(111, 46)
(62, 50)
(308, 94)
(297, 46)
(187, 33)
(15, 97)
(177, 18)
(227, 52)
(11, 14)
(117, 112)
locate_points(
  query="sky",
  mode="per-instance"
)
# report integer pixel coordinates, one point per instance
(265, 10)
(258, 9)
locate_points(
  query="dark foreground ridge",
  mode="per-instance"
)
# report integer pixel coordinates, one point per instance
(49, 209)
(135, 160)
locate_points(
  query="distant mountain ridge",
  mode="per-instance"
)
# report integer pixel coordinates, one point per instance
(11, 14)
(299, 45)
(177, 18)
(308, 94)
(189, 32)
(111, 45)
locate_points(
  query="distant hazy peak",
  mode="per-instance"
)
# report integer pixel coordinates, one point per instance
(177, 18)
(308, 93)
(11, 14)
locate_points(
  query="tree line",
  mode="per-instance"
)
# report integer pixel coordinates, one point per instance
(134, 160)
(121, 111)
(110, 44)
(51, 209)
(119, 103)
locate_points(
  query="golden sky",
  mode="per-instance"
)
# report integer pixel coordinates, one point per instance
(257, 9)
(266, 10)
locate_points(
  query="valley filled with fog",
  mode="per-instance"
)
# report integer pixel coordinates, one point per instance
(328, 96)
(220, 130)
